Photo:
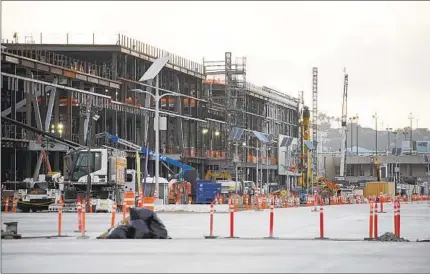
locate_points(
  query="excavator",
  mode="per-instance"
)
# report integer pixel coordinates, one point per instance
(328, 188)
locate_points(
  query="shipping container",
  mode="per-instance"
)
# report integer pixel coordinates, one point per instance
(206, 192)
(375, 188)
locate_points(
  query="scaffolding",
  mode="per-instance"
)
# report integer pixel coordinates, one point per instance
(315, 118)
(233, 100)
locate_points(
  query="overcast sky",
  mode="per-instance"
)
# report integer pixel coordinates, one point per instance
(385, 46)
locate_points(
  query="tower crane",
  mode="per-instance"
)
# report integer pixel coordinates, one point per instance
(343, 124)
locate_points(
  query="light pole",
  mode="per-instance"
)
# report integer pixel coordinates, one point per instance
(356, 128)
(150, 74)
(388, 129)
(244, 170)
(236, 163)
(267, 167)
(157, 99)
(204, 131)
(410, 117)
(351, 120)
(395, 140)
(405, 133)
(375, 116)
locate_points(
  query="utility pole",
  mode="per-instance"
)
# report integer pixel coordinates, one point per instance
(410, 134)
(256, 170)
(267, 167)
(375, 116)
(388, 129)
(89, 162)
(350, 122)
(357, 128)
(236, 162)
(395, 140)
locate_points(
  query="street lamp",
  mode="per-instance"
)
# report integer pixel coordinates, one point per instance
(410, 117)
(405, 132)
(395, 139)
(388, 129)
(95, 117)
(351, 120)
(357, 127)
(157, 99)
(375, 116)
(150, 74)
(204, 131)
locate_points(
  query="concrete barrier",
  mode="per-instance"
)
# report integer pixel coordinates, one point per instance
(191, 208)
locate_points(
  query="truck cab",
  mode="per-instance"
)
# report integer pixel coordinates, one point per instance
(106, 166)
(248, 187)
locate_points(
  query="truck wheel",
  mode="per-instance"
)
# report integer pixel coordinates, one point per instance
(26, 210)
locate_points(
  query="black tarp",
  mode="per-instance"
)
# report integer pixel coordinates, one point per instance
(143, 224)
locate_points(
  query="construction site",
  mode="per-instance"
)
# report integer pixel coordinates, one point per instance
(116, 134)
(62, 99)
(185, 137)
(102, 122)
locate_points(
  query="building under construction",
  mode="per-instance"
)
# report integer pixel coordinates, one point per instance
(225, 124)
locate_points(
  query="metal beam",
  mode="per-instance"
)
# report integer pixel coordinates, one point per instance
(87, 117)
(39, 126)
(54, 85)
(50, 105)
(41, 132)
(38, 119)
(147, 105)
(18, 105)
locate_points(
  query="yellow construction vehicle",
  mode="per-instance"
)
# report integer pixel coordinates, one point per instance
(305, 178)
(327, 185)
(377, 168)
(215, 176)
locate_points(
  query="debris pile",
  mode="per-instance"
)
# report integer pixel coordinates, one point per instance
(141, 224)
(390, 237)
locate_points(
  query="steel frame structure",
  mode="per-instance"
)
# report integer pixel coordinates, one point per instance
(315, 119)
(54, 82)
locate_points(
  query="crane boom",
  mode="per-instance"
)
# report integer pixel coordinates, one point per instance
(163, 158)
(343, 129)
